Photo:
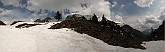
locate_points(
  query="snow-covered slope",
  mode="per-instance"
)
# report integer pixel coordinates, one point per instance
(41, 39)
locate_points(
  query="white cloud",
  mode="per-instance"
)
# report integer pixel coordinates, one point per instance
(152, 19)
(119, 19)
(155, 13)
(147, 22)
(144, 3)
(98, 7)
(122, 6)
(9, 16)
(114, 3)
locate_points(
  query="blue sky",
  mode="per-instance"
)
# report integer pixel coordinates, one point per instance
(140, 14)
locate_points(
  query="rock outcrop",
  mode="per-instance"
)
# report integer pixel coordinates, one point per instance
(158, 34)
(25, 25)
(109, 32)
(38, 20)
(2, 23)
(15, 22)
(44, 20)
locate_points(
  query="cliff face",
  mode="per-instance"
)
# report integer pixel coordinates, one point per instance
(158, 34)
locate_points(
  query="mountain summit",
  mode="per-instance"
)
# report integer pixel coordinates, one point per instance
(108, 31)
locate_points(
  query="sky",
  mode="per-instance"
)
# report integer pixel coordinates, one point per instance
(140, 14)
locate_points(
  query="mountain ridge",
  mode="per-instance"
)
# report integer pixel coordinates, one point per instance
(109, 31)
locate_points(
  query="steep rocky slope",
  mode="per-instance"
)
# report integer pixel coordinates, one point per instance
(110, 32)
(158, 34)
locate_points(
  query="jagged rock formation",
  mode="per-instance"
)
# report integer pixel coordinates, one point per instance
(2, 23)
(25, 25)
(38, 20)
(15, 22)
(135, 33)
(44, 20)
(109, 32)
(88, 17)
(158, 34)
(47, 19)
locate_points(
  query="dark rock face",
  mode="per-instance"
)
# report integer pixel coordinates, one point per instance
(25, 25)
(88, 17)
(2, 23)
(44, 20)
(38, 20)
(47, 19)
(16, 22)
(135, 33)
(108, 32)
(69, 17)
(158, 34)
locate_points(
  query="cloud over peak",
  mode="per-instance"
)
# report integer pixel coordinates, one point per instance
(140, 14)
(98, 7)
(144, 3)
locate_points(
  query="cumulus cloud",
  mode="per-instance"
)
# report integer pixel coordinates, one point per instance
(98, 7)
(114, 3)
(9, 16)
(140, 14)
(119, 19)
(152, 20)
(147, 23)
(144, 3)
